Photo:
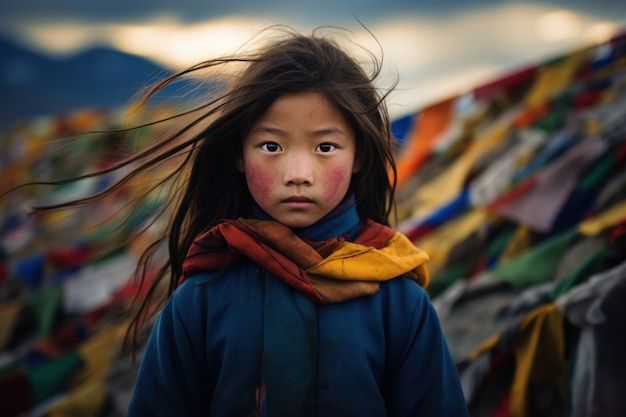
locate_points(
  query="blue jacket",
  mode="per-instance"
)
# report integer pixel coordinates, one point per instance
(381, 355)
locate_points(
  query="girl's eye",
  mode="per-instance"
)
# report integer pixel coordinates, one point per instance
(325, 147)
(271, 147)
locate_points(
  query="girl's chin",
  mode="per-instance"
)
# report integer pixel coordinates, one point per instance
(297, 221)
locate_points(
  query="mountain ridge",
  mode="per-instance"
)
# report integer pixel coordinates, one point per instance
(33, 84)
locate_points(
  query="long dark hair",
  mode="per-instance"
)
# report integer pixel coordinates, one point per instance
(205, 186)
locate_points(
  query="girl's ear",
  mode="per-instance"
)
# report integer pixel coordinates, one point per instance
(356, 167)
(239, 164)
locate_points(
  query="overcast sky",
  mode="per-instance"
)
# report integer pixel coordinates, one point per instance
(438, 47)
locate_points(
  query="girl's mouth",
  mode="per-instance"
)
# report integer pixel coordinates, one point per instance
(298, 202)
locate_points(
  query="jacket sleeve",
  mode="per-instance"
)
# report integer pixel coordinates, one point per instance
(172, 376)
(423, 379)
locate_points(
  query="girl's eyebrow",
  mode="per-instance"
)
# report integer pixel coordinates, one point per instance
(267, 129)
(330, 133)
(314, 132)
(327, 130)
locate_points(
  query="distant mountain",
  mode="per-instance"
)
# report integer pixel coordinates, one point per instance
(33, 84)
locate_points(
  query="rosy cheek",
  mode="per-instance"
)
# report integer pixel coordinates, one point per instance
(337, 181)
(261, 180)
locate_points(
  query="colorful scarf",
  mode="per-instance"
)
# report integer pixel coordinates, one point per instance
(330, 271)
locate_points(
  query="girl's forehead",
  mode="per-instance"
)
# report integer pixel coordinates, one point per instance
(305, 108)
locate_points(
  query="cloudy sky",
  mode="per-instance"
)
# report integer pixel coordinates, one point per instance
(438, 48)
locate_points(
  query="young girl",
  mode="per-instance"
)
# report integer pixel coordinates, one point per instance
(287, 292)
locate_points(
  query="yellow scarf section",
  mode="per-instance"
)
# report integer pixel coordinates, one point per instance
(352, 263)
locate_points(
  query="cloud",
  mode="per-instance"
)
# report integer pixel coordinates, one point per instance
(193, 11)
(449, 56)
(434, 57)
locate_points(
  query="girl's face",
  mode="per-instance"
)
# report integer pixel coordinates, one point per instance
(298, 158)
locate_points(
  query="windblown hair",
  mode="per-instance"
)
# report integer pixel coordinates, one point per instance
(206, 186)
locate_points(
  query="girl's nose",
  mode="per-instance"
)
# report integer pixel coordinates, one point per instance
(298, 171)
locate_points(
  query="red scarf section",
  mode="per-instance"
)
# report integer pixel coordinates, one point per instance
(273, 246)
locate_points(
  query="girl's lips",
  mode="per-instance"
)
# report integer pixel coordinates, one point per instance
(298, 202)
